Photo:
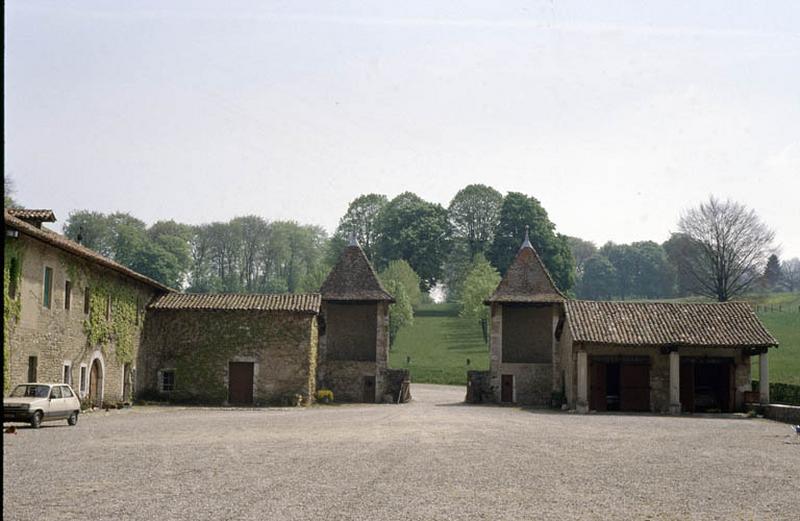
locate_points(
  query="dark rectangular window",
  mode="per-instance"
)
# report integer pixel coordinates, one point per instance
(33, 368)
(47, 297)
(67, 374)
(67, 294)
(87, 300)
(83, 378)
(13, 271)
(168, 380)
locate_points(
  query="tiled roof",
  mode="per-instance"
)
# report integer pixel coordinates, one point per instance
(730, 324)
(527, 280)
(27, 214)
(301, 303)
(353, 278)
(61, 242)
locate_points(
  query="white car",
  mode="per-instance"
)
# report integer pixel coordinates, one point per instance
(38, 402)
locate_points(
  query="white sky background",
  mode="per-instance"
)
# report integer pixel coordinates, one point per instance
(616, 116)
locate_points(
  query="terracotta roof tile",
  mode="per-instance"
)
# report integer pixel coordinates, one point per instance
(730, 324)
(300, 303)
(61, 242)
(354, 278)
(527, 280)
(27, 214)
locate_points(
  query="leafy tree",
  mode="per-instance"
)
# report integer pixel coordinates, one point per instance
(455, 269)
(517, 212)
(790, 274)
(401, 272)
(361, 218)
(91, 229)
(414, 230)
(679, 249)
(8, 192)
(474, 213)
(772, 273)
(481, 281)
(599, 278)
(401, 313)
(731, 247)
(581, 251)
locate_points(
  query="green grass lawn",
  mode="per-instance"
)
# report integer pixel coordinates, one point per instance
(439, 344)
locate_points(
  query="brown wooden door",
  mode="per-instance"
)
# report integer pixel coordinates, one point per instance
(240, 383)
(507, 388)
(634, 388)
(368, 395)
(597, 391)
(94, 383)
(687, 386)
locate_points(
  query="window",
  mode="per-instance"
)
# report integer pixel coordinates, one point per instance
(55, 392)
(47, 297)
(66, 393)
(167, 380)
(33, 363)
(67, 294)
(87, 298)
(83, 379)
(13, 271)
(67, 377)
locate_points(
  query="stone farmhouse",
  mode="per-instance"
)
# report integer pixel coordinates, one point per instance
(626, 356)
(126, 335)
(70, 314)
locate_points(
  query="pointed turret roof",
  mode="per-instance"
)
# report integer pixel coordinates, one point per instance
(354, 278)
(527, 279)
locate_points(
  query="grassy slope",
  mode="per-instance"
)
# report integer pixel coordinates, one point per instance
(439, 344)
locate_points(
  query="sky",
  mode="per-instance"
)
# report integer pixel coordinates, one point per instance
(616, 116)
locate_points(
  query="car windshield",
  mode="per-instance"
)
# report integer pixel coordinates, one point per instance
(35, 391)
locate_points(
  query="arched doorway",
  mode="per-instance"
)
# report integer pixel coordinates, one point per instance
(96, 383)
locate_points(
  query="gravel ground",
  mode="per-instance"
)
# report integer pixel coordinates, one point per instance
(434, 458)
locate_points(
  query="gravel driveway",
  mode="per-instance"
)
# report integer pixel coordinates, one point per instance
(434, 458)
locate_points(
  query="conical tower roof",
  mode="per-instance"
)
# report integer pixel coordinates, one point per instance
(354, 278)
(527, 279)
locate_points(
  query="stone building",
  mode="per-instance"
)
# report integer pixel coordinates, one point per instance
(627, 356)
(70, 314)
(231, 349)
(354, 336)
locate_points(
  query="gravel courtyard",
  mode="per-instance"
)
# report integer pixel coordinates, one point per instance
(434, 458)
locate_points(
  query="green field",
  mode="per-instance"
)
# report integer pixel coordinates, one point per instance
(439, 343)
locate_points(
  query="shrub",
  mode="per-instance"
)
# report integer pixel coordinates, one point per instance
(325, 396)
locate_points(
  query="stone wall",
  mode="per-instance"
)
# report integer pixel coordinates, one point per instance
(199, 345)
(534, 383)
(58, 336)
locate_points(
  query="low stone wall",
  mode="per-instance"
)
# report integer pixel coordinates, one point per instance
(479, 387)
(397, 383)
(783, 413)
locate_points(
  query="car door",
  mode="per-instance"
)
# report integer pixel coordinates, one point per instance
(54, 404)
(71, 402)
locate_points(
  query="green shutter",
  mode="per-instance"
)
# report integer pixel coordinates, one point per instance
(48, 287)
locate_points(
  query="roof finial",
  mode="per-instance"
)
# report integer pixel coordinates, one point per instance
(353, 241)
(527, 241)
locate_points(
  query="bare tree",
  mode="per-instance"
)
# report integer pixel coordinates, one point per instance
(790, 274)
(732, 245)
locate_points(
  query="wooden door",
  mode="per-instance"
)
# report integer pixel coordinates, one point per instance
(597, 382)
(634, 388)
(507, 388)
(240, 383)
(368, 394)
(687, 386)
(94, 383)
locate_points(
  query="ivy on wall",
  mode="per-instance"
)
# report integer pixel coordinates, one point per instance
(120, 325)
(13, 254)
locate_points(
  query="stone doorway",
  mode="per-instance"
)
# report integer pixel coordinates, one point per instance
(240, 383)
(96, 383)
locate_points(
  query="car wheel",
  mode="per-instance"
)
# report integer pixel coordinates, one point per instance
(36, 421)
(73, 418)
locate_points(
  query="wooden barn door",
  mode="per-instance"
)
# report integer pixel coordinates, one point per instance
(95, 383)
(634, 388)
(368, 394)
(240, 383)
(597, 392)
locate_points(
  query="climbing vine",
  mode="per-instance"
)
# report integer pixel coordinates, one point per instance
(13, 254)
(101, 327)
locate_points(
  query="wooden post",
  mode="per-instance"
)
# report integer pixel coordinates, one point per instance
(763, 377)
